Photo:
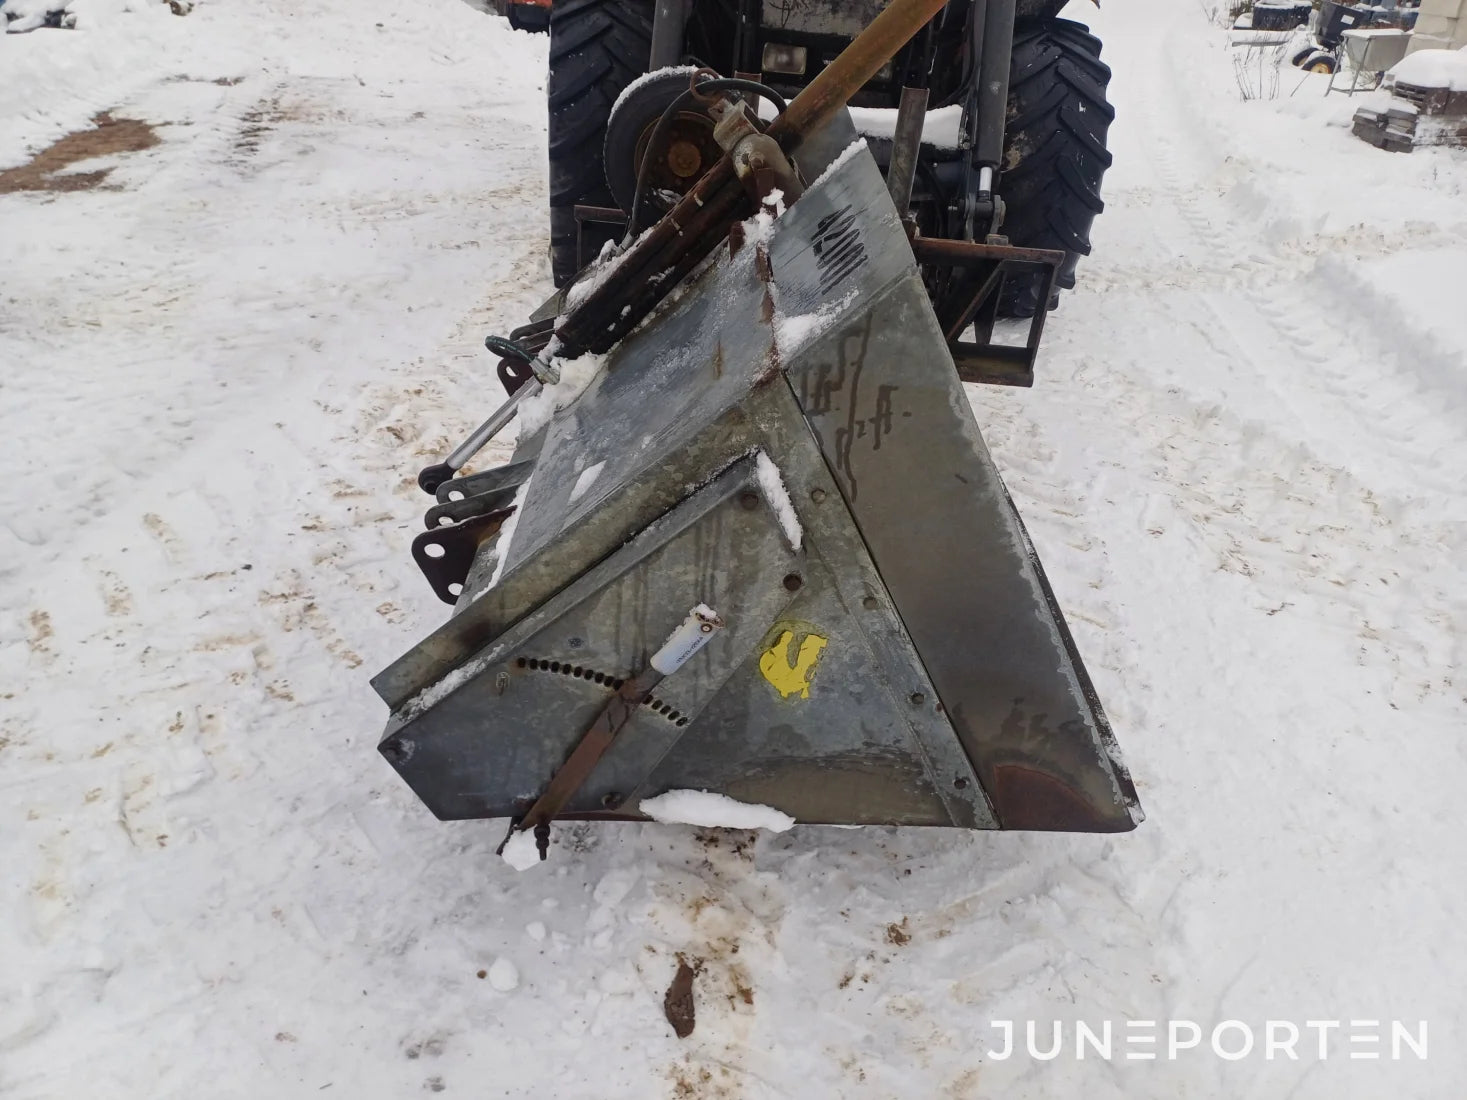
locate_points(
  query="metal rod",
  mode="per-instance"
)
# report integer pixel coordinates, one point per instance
(947, 252)
(691, 635)
(492, 427)
(906, 145)
(993, 81)
(591, 748)
(668, 20)
(853, 67)
(981, 292)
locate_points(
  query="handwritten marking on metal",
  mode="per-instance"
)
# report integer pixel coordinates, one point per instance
(839, 252)
(854, 427)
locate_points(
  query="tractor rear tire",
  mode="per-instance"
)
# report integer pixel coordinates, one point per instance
(1054, 150)
(597, 48)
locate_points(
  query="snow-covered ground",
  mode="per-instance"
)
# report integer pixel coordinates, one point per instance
(1243, 466)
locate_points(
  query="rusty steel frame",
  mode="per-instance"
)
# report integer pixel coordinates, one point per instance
(976, 281)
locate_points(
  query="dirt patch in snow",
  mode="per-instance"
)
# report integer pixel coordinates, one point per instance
(111, 136)
(677, 1005)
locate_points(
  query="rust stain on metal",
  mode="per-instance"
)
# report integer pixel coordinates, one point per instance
(763, 265)
(567, 780)
(1025, 797)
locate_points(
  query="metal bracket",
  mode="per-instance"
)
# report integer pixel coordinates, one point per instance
(690, 636)
(474, 507)
(445, 554)
(974, 287)
(508, 476)
(535, 337)
(612, 216)
(441, 516)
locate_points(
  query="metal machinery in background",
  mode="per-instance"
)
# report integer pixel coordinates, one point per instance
(1025, 160)
(1334, 19)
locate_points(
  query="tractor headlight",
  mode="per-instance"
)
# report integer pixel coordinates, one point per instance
(779, 58)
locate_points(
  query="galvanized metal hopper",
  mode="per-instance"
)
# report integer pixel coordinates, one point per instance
(784, 446)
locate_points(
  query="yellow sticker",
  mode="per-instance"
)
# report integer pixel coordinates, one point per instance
(791, 667)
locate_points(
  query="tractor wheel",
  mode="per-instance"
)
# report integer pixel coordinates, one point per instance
(531, 18)
(1054, 150)
(597, 48)
(1320, 63)
(687, 149)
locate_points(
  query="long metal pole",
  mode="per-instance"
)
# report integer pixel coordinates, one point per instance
(856, 64)
(668, 21)
(906, 146)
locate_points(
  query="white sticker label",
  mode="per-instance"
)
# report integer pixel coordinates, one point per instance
(691, 635)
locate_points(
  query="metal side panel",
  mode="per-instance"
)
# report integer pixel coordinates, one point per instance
(878, 388)
(484, 742)
(650, 426)
(631, 443)
(832, 718)
(812, 700)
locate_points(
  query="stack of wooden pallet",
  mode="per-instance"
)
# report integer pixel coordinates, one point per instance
(1426, 104)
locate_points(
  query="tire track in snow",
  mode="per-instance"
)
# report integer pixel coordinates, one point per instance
(1220, 494)
(1388, 404)
(1272, 538)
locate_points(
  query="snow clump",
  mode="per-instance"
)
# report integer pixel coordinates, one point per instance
(716, 811)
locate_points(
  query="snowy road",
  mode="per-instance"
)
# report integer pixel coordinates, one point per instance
(1243, 466)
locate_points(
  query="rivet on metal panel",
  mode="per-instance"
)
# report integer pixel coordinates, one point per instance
(817, 495)
(870, 603)
(749, 501)
(611, 800)
(917, 698)
(960, 783)
(794, 582)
